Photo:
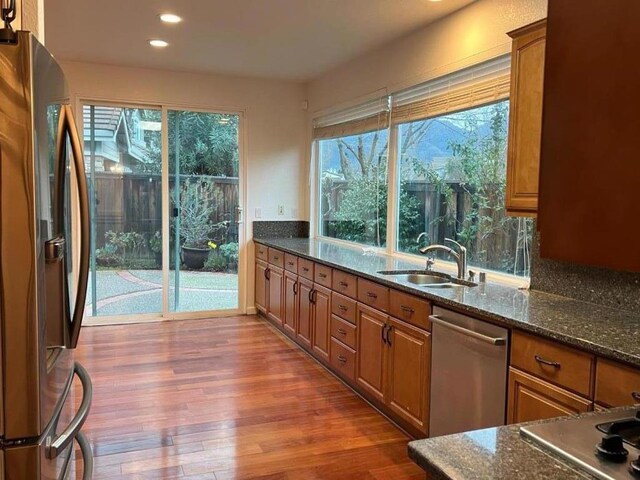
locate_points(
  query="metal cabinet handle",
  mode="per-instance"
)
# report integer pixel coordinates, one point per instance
(290, 264)
(54, 249)
(343, 284)
(87, 456)
(72, 430)
(305, 269)
(322, 275)
(315, 296)
(276, 257)
(384, 331)
(478, 336)
(342, 331)
(406, 309)
(295, 288)
(342, 359)
(549, 363)
(267, 274)
(388, 334)
(636, 396)
(371, 295)
(342, 307)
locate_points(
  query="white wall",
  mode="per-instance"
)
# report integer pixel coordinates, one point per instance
(30, 16)
(275, 135)
(470, 35)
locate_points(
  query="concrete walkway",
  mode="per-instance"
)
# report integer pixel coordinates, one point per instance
(130, 292)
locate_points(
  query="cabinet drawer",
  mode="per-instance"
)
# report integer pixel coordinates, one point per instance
(322, 275)
(343, 331)
(374, 295)
(411, 309)
(276, 257)
(305, 268)
(617, 385)
(345, 283)
(343, 307)
(291, 263)
(561, 365)
(343, 360)
(262, 252)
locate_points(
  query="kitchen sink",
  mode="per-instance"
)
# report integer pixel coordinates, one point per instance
(423, 278)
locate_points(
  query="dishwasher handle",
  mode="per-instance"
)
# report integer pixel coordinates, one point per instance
(465, 331)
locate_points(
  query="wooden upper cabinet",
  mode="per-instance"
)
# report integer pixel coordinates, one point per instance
(525, 118)
(589, 167)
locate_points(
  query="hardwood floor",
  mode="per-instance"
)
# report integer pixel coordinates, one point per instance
(226, 399)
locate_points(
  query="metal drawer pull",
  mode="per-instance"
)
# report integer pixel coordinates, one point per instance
(344, 284)
(305, 269)
(406, 309)
(371, 295)
(478, 336)
(384, 331)
(636, 396)
(342, 359)
(322, 275)
(342, 331)
(343, 308)
(87, 456)
(549, 363)
(276, 257)
(290, 264)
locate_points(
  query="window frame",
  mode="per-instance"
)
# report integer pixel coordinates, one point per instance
(393, 204)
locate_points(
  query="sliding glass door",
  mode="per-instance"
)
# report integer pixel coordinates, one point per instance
(165, 208)
(204, 194)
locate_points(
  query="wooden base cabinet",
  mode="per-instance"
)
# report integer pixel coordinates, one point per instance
(275, 310)
(392, 367)
(321, 322)
(305, 312)
(261, 285)
(409, 358)
(290, 314)
(533, 399)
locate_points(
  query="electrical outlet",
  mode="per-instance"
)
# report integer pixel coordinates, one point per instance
(258, 213)
(280, 209)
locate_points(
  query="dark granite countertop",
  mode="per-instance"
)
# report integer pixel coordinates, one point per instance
(604, 331)
(496, 453)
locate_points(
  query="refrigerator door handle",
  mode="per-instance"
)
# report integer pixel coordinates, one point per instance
(87, 456)
(83, 203)
(73, 429)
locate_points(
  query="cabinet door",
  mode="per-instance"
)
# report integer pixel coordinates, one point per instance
(533, 399)
(407, 393)
(276, 282)
(321, 322)
(261, 286)
(525, 118)
(290, 303)
(305, 312)
(371, 354)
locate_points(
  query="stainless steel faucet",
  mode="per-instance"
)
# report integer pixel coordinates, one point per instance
(423, 234)
(460, 256)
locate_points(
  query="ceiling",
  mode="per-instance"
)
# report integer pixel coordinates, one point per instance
(285, 39)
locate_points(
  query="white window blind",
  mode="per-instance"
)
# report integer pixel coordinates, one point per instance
(367, 117)
(481, 84)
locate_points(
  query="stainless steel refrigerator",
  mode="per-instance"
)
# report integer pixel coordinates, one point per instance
(43, 280)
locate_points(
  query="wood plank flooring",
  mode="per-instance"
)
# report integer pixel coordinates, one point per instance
(227, 398)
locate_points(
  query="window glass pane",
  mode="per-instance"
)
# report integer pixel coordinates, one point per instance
(353, 188)
(452, 173)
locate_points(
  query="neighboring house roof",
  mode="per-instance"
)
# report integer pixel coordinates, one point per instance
(112, 135)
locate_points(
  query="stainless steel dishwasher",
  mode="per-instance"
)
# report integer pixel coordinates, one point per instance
(468, 373)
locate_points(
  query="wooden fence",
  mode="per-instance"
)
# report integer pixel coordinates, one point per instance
(133, 203)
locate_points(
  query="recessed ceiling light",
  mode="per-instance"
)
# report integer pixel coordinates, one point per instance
(158, 43)
(170, 18)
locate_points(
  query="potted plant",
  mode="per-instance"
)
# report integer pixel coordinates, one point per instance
(197, 204)
(155, 244)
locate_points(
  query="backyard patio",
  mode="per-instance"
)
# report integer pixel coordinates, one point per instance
(131, 292)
